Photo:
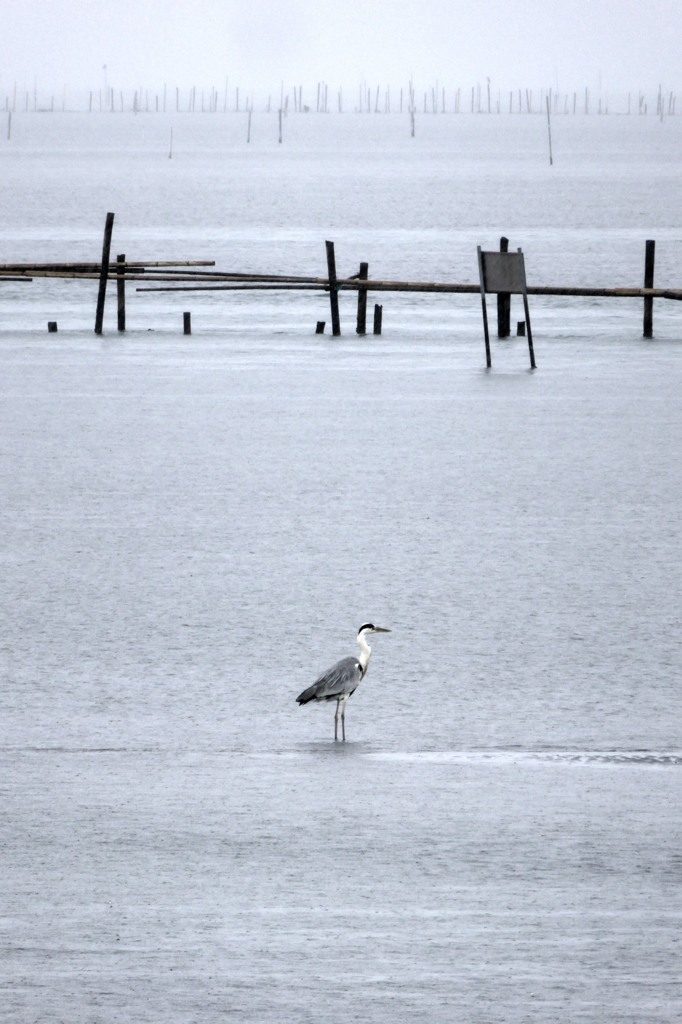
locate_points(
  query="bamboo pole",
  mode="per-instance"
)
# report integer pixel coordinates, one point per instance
(131, 264)
(503, 302)
(484, 308)
(121, 292)
(423, 286)
(333, 290)
(649, 261)
(104, 272)
(362, 301)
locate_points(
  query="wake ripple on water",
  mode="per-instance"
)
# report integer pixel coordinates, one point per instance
(480, 756)
(637, 758)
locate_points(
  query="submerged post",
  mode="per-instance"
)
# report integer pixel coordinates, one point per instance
(362, 301)
(186, 323)
(378, 316)
(333, 290)
(649, 260)
(503, 302)
(121, 291)
(104, 273)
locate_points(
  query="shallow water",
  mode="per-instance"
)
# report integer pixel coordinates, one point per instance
(194, 527)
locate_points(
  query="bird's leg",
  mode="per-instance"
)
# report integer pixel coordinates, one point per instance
(343, 719)
(336, 721)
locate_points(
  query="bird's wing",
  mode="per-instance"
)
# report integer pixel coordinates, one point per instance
(337, 681)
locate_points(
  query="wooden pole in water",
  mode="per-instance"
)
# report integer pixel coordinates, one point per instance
(549, 131)
(503, 302)
(121, 291)
(378, 314)
(186, 323)
(649, 260)
(484, 308)
(104, 273)
(333, 290)
(362, 301)
(531, 350)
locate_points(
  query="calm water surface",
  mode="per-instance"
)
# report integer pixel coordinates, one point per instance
(194, 527)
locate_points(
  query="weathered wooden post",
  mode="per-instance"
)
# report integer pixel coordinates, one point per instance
(362, 301)
(333, 290)
(52, 326)
(121, 291)
(649, 260)
(503, 302)
(104, 273)
(378, 315)
(484, 308)
(319, 327)
(186, 323)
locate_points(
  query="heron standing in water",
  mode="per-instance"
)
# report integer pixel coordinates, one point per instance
(342, 679)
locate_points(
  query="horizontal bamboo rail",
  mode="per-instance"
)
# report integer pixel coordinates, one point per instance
(165, 274)
(96, 267)
(322, 283)
(170, 277)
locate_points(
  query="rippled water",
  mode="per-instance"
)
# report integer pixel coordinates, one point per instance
(194, 527)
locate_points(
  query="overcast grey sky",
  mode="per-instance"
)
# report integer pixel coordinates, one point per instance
(565, 44)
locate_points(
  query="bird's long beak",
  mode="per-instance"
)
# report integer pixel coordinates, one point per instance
(380, 629)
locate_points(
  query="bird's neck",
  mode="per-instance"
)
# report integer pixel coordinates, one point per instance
(365, 653)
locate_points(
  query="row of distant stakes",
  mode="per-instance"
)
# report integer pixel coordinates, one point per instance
(437, 99)
(501, 273)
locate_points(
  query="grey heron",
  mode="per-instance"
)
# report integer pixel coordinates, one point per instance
(342, 679)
